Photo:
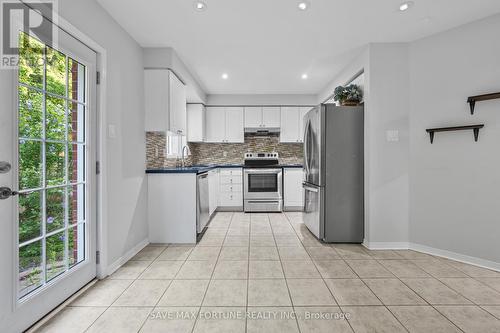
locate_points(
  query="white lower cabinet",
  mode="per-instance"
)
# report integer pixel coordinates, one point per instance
(231, 188)
(172, 208)
(213, 189)
(293, 191)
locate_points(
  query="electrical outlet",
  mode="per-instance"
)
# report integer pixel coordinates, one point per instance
(157, 152)
(224, 153)
(392, 135)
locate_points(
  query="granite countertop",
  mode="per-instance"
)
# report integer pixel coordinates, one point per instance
(197, 169)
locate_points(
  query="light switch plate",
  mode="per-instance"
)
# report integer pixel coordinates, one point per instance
(392, 135)
(111, 131)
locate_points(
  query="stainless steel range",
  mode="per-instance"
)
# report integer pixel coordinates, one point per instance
(263, 183)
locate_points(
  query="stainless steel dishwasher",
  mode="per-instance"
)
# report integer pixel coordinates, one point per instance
(202, 202)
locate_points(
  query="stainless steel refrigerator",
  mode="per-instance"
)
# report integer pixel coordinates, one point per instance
(334, 173)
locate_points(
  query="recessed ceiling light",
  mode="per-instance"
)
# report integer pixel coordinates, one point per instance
(304, 76)
(200, 6)
(303, 5)
(405, 6)
(225, 76)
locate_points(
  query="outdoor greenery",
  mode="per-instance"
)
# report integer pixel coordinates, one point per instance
(33, 131)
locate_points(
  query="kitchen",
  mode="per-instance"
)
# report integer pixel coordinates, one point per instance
(223, 143)
(250, 166)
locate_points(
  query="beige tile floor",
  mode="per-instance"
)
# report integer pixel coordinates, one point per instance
(267, 273)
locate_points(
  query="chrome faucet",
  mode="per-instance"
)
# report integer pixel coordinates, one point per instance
(185, 148)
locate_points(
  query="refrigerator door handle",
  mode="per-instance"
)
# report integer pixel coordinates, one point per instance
(306, 143)
(310, 188)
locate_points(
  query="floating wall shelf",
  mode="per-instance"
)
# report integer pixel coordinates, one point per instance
(473, 99)
(474, 128)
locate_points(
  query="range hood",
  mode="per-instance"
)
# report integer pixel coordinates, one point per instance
(260, 131)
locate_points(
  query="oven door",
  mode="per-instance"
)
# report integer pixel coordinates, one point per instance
(263, 183)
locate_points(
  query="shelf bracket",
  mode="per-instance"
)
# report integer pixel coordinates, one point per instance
(473, 99)
(474, 128)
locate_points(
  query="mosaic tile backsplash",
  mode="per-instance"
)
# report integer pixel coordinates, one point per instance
(213, 153)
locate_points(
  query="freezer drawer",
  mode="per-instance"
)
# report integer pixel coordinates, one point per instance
(312, 214)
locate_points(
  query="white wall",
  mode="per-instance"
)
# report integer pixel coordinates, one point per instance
(358, 64)
(271, 99)
(166, 57)
(123, 174)
(387, 167)
(386, 79)
(455, 182)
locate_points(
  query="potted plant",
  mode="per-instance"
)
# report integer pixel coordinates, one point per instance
(350, 95)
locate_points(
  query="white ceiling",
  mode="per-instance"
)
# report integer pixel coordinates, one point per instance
(266, 45)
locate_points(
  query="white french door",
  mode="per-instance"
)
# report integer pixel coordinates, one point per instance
(48, 137)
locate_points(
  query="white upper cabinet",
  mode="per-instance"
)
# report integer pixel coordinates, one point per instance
(195, 122)
(156, 105)
(234, 124)
(215, 124)
(178, 115)
(302, 112)
(253, 116)
(271, 116)
(224, 124)
(165, 102)
(292, 124)
(290, 131)
(262, 117)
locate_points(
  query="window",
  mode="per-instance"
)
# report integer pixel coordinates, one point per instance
(175, 144)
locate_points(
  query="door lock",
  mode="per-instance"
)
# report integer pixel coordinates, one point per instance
(6, 193)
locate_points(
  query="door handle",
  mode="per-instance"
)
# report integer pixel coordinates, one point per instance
(310, 188)
(6, 193)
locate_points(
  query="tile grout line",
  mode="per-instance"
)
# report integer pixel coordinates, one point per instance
(133, 280)
(211, 277)
(321, 275)
(248, 270)
(170, 283)
(416, 293)
(385, 306)
(283, 268)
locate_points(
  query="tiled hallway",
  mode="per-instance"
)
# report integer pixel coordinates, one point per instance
(266, 273)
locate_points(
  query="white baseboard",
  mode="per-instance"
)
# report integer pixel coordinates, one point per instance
(126, 257)
(385, 245)
(456, 256)
(433, 251)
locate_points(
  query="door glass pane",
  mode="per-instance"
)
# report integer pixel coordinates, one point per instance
(30, 267)
(55, 159)
(76, 81)
(30, 113)
(55, 126)
(76, 163)
(55, 252)
(56, 72)
(76, 241)
(76, 203)
(30, 164)
(30, 216)
(31, 59)
(52, 164)
(76, 122)
(55, 209)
